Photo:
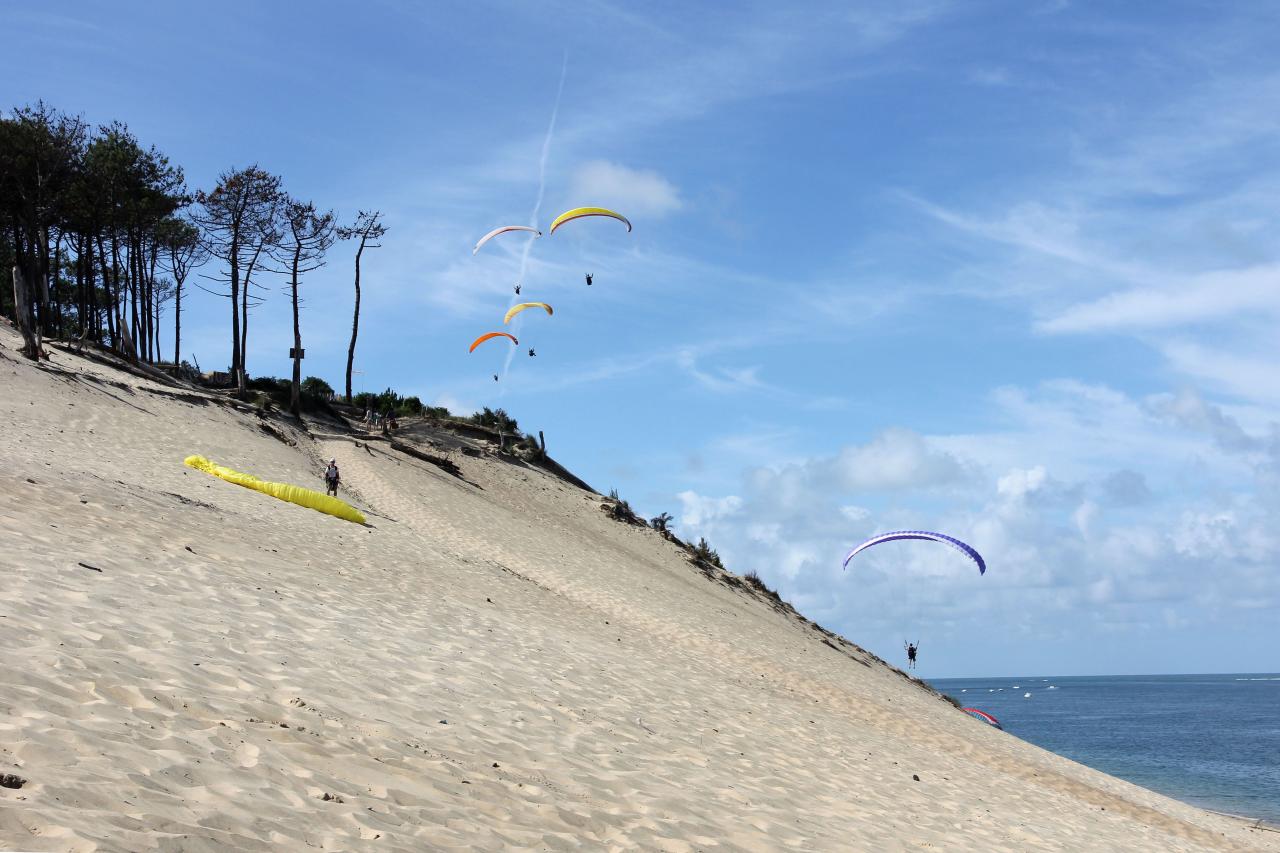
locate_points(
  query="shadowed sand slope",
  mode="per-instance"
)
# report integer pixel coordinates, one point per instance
(490, 663)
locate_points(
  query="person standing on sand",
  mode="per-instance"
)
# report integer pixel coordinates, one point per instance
(331, 478)
(912, 648)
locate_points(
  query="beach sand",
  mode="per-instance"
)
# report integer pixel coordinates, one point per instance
(492, 663)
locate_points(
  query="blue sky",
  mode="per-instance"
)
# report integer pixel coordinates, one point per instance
(1007, 270)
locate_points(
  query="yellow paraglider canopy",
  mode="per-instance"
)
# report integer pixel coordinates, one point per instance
(282, 491)
(580, 212)
(516, 309)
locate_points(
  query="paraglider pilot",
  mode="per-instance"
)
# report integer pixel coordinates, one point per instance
(531, 352)
(588, 279)
(331, 478)
(912, 648)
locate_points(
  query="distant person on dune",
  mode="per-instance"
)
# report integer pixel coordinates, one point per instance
(912, 648)
(331, 478)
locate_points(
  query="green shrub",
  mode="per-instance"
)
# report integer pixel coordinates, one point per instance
(315, 392)
(270, 384)
(316, 388)
(758, 583)
(620, 510)
(389, 399)
(704, 555)
(530, 446)
(498, 420)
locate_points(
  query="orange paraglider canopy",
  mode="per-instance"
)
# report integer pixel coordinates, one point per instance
(478, 341)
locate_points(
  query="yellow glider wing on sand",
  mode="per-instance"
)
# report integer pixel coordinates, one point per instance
(282, 491)
(580, 212)
(516, 309)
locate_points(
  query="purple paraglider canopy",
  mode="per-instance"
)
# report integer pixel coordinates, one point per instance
(921, 534)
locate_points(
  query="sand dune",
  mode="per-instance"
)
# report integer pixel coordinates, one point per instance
(491, 663)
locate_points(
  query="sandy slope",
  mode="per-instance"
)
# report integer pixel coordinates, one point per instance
(492, 663)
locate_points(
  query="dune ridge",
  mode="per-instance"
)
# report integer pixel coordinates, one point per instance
(490, 663)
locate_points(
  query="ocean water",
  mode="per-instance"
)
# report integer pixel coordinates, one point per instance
(1209, 740)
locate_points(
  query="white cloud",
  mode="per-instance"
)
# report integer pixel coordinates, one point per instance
(1084, 517)
(1156, 218)
(722, 379)
(697, 511)
(632, 192)
(1125, 488)
(1190, 410)
(1201, 299)
(896, 459)
(1205, 535)
(1249, 372)
(855, 513)
(1092, 543)
(1019, 483)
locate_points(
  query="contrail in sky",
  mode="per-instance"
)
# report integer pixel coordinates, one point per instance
(537, 204)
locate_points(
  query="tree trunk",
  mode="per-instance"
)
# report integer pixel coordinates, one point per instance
(131, 273)
(177, 321)
(23, 311)
(144, 299)
(295, 396)
(234, 259)
(91, 284)
(54, 289)
(244, 322)
(118, 299)
(109, 307)
(82, 295)
(40, 285)
(244, 329)
(177, 314)
(155, 307)
(355, 323)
